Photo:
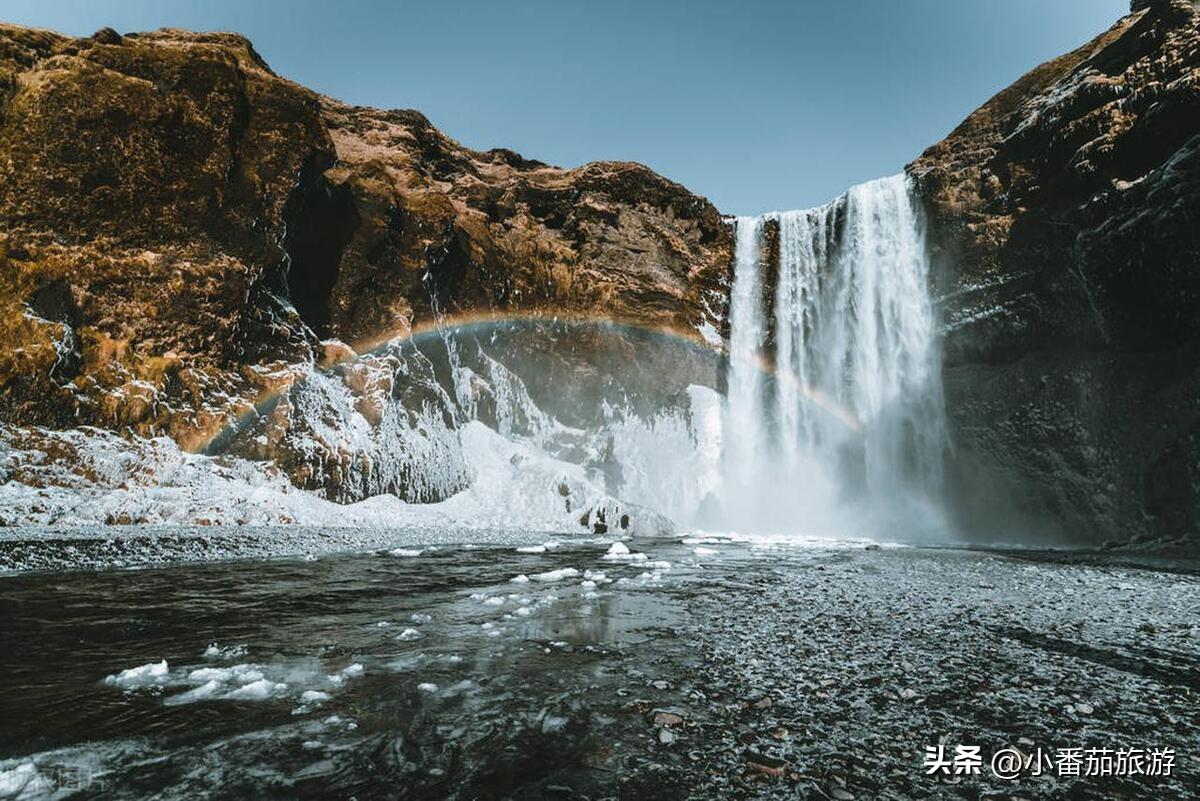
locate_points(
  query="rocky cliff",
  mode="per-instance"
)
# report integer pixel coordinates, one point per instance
(195, 247)
(188, 238)
(1066, 218)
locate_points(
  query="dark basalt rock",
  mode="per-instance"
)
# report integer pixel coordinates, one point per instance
(1065, 215)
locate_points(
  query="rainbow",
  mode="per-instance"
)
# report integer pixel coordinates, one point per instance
(477, 322)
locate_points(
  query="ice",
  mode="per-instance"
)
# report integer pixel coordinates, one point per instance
(556, 575)
(209, 689)
(421, 618)
(552, 724)
(257, 691)
(545, 546)
(523, 611)
(244, 682)
(705, 551)
(427, 687)
(355, 670)
(24, 781)
(409, 634)
(521, 579)
(314, 697)
(148, 675)
(619, 552)
(514, 487)
(588, 584)
(215, 651)
(494, 601)
(239, 674)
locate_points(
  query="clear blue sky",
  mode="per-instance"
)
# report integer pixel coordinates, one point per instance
(758, 104)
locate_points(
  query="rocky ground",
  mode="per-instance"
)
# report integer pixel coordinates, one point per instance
(702, 668)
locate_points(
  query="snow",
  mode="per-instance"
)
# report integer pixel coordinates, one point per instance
(514, 487)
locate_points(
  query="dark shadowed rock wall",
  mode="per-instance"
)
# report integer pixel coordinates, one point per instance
(1065, 215)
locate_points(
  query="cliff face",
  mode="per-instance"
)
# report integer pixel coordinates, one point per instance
(195, 247)
(1066, 217)
(184, 232)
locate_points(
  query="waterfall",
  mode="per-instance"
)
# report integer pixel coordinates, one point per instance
(851, 416)
(744, 432)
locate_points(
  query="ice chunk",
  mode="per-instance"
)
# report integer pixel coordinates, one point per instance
(406, 551)
(24, 781)
(421, 617)
(257, 691)
(556, 575)
(148, 675)
(521, 579)
(427, 687)
(618, 552)
(214, 651)
(313, 697)
(409, 634)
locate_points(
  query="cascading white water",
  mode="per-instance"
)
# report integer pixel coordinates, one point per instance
(856, 400)
(744, 435)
